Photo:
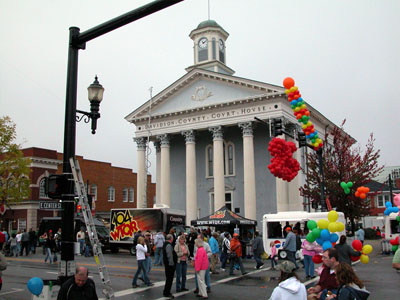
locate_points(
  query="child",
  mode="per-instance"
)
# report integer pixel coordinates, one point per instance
(273, 256)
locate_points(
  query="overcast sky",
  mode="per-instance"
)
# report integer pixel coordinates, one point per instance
(344, 56)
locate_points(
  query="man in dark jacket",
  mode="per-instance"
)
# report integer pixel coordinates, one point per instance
(78, 287)
(170, 259)
(258, 250)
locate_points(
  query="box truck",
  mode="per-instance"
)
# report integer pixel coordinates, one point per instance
(126, 222)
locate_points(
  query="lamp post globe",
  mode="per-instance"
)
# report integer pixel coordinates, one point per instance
(95, 95)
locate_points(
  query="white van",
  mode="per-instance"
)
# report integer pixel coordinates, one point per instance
(392, 226)
(273, 225)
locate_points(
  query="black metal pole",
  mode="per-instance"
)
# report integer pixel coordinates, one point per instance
(77, 41)
(322, 185)
(391, 189)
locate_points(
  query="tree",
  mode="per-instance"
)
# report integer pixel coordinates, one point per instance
(14, 167)
(342, 162)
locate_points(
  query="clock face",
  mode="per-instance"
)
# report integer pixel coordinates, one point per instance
(221, 45)
(203, 43)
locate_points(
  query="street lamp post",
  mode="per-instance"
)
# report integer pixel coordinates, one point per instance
(77, 41)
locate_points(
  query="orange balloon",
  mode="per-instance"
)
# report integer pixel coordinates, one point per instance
(363, 196)
(288, 82)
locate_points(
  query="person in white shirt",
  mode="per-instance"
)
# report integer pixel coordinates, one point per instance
(19, 237)
(141, 250)
(80, 238)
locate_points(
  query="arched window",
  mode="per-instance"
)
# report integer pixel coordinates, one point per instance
(209, 161)
(125, 195)
(229, 160)
(203, 49)
(131, 195)
(93, 192)
(111, 194)
(42, 191)
(221, 47)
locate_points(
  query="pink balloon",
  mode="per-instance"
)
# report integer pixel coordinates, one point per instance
(396, 199)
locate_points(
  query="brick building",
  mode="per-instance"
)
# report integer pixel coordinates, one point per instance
(112, 187)
(379, 194)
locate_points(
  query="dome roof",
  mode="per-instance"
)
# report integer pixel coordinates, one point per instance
(208, 23)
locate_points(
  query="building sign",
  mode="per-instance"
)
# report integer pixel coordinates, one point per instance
(50, 205)
(246, 111)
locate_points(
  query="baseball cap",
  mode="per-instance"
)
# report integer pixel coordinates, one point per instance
(287, 266)
(235, 234)
(288, 229)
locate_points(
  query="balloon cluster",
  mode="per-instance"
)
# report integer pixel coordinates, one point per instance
(365, 250)
(395, 244)
(301, 112)
(346, 186)
(35, 285)
(323, 232)
(390, 209)
(283, 165)
(362, 192)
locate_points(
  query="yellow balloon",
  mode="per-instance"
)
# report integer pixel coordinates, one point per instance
(332, 227)
(364, 259)
(323, 223)
(339, 226)
(309, 123)
(319, 141)
(304, 126)
(332, 215)
(303, 106)
(367, 249)
(287, 92)
(294, 88)
(297, 109)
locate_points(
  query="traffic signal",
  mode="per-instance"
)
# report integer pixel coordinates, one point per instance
(277, 127)
(56, 186)
(302, 139)
(78, 209)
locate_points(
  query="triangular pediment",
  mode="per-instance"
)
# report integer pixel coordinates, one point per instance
(201, 88)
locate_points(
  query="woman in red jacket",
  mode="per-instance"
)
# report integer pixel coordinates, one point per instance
(201, 265)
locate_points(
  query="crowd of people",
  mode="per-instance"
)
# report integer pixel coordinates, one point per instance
(202, 250)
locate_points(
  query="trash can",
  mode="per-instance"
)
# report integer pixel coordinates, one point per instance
(50, 290)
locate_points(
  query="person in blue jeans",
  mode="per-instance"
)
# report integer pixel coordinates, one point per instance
(148, 261)
(141, 250)
(290, 245)
(159, 241)
(182, 252)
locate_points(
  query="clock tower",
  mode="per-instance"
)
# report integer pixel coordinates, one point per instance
(209, 48)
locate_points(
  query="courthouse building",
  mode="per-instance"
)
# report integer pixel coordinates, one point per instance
(210, 150)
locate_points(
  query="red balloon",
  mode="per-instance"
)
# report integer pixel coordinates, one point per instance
(317, 259)
(394, 242)
(288, 82)
(357, 245)
(354, 258)
(397, 239)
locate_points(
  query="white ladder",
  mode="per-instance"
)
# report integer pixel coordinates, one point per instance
(91, 229)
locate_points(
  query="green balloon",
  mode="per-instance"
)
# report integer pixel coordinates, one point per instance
(316, 232)
(347, 191)
(310, 237)
(398, 218)
(311, 225)
(349, 184)
(394, 247)
(293, 106)
(343, 185)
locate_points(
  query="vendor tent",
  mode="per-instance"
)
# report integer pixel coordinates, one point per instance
(223, 217)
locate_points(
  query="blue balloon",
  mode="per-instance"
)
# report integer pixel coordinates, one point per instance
(326, 245)
(294, 102)
(319, 241)
(387, 212)
(395, 209)
(35, 285)
(333, 237)
(325, 234)
(388, 204)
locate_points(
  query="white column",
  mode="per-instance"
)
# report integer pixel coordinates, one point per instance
(250, 207)
(158, 172)
(191, 179)
(141, 175)
(165, 171)
(218, 165)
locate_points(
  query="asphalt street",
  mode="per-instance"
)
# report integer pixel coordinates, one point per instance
(379, 277)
